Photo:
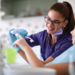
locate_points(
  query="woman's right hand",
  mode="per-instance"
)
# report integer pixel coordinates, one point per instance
(20, 42)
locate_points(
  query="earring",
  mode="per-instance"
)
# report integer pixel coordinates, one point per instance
(63, 27)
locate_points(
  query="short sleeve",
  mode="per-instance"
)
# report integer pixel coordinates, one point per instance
(35, 39)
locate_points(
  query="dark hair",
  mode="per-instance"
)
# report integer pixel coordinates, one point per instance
(65, 9)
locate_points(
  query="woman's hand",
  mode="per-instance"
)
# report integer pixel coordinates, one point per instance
(20, 42)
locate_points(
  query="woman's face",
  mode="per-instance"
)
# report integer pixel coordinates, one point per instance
(73, 36)
(54, 21)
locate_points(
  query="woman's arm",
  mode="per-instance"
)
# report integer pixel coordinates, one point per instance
(22, 54)
(62, 69)
(29, 54)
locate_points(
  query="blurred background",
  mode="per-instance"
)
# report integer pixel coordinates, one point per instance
(27, 14)
(26, 8)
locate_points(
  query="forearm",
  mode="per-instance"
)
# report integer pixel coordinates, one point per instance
(22, 54)
(61, 69)
(31, 57)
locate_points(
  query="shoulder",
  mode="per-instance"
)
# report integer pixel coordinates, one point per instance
(65, 37)
(64, 41)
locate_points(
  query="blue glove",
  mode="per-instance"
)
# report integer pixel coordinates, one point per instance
(13, 37)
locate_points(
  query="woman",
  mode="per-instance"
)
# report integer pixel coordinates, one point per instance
(54, 41)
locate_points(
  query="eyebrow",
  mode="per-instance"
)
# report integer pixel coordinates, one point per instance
(53, 20)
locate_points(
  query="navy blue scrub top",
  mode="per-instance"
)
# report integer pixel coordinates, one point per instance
(63, 42)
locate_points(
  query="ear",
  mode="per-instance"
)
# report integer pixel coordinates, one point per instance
(65, 23)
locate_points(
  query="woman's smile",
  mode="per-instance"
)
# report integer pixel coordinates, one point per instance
(50, 29)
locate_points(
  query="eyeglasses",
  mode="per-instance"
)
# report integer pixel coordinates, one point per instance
(55, 22)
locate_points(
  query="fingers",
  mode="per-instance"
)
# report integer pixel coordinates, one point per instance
(15, 44)
(20, 41)
(19, 36)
